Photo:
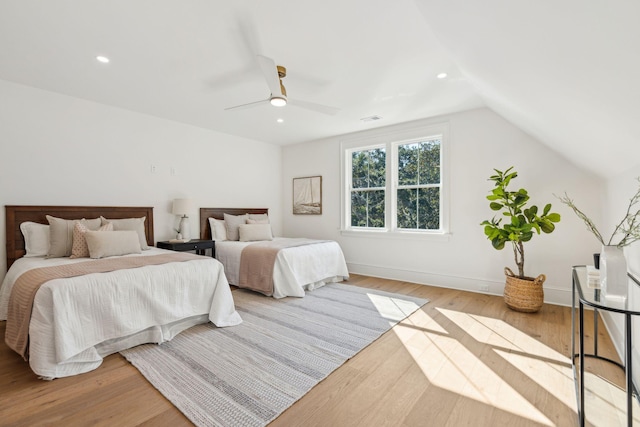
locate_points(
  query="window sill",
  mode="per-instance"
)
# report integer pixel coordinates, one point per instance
(397, 235)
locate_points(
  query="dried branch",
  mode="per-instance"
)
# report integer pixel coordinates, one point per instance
(628, 227)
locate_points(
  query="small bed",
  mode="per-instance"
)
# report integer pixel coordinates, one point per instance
(77, 320)
(300, 264)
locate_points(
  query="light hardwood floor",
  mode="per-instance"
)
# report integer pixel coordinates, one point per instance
(463, 359)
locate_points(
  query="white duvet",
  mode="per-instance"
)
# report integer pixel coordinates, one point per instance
(77, 321)
(297, 268)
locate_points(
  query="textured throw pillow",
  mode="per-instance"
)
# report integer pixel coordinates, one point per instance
(111, 243)
(232, 223)
(36, 238)
(255, 232)
(79, 248)
(257, 221)
(61, 234)
(135, 224)
(259, 217)
(218, 229)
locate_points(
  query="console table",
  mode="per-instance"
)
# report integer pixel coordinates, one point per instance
(588, 294)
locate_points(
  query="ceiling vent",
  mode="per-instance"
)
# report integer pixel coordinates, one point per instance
(371, 118)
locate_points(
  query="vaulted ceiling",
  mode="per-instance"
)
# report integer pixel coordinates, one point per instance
(565, 72)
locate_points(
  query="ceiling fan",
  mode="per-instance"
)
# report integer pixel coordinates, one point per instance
(274, 74)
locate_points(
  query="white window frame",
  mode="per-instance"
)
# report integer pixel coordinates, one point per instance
(391, 141)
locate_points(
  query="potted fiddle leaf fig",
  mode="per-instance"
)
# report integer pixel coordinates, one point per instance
(516, 226)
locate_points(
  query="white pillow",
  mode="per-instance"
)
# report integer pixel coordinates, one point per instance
(255, 232)
(111, 243)
(36, 238)
(232, 223)
(218, 229)
(135, 224)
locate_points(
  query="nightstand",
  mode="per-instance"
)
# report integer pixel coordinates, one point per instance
(200, 246)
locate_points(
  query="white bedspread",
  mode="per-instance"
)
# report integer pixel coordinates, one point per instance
(297, 268)
(77, 321)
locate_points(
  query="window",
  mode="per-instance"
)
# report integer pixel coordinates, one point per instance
(418, 191)
(396, 183)
(368, 187)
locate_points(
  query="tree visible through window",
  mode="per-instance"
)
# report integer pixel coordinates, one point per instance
(368, 182)
(395, 183)
(418, 193)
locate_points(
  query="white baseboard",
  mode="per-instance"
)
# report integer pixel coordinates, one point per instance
(484, 286)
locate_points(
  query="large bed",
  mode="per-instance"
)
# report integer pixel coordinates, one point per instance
(304, 266)
(76, 321)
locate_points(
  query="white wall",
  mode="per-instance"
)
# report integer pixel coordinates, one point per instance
(60, 150)
(480, 141)
(620, 189)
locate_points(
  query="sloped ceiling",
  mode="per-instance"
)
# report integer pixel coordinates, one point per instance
(564, 72)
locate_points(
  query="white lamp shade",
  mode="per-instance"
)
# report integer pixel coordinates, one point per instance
(182, 207)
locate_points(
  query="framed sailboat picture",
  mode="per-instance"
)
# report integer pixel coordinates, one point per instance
(307, 195)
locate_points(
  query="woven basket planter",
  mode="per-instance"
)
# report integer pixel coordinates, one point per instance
(525, 295)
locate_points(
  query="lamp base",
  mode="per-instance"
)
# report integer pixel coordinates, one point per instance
(184, 228)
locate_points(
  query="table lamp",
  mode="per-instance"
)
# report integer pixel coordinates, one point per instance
(183, 207)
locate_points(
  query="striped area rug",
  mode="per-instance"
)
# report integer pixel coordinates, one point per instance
(247, 375)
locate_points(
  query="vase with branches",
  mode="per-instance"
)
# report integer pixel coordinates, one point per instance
(612, 261)
(628, 229)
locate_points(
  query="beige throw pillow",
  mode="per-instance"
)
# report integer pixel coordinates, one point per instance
(111, 243)
(79, 249)
(61, 234)
(255, 232)
(232, 223)
(135, 224)
(259, 217)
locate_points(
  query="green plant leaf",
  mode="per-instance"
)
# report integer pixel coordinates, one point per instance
(547, 226)
(498, 244)
(553, 217)
(495, 206)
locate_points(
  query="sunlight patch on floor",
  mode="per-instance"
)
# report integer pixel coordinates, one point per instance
(606, 403)
(557, 379)
(394, 309)
(450, 365)
(498, 333)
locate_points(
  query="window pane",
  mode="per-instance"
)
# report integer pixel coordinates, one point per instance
(429, 208)
(368, 168)
(407, 211)
(367, 208)
(358, 209)
(376, 208)
(408, 164)
(430, 162)
(377, 168)
(359, 169)
(419, 208)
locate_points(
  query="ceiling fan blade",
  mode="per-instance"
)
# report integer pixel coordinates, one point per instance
(324, 109)
(249, 105)
(270, 73)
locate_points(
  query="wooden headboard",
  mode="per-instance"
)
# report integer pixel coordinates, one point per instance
(15, 215)
(218, 213)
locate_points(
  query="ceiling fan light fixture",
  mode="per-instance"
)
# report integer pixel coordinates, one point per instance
(277, 101)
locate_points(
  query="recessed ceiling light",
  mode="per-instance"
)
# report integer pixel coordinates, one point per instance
(280, 120)
(277, 101)
(102, 59)
(441, 75)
